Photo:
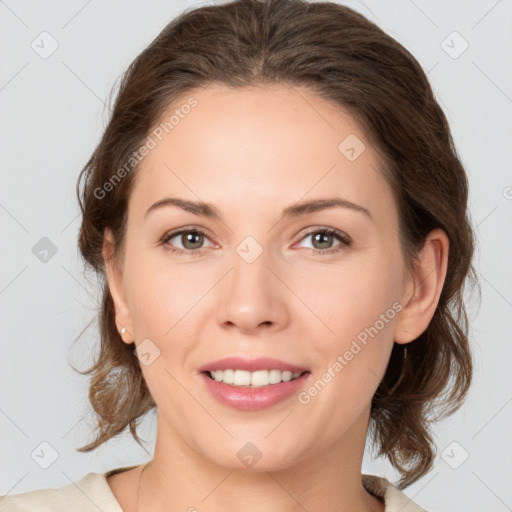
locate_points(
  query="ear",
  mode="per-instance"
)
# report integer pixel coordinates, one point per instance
(423, 288)
(116, 287)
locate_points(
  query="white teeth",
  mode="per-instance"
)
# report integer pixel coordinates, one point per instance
(228, 376)
(254, 379)
(242, 378)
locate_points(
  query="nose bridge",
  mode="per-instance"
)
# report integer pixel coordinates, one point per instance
(251, 294)
(250, 270)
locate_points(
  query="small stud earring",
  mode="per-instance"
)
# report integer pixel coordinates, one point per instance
(123, 330)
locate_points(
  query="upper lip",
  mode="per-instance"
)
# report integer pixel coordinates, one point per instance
(251, 365)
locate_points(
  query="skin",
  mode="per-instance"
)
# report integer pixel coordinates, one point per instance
(251, 153)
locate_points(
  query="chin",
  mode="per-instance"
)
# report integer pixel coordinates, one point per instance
(252, 456)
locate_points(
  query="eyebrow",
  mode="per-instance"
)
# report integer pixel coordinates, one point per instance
(208, 210)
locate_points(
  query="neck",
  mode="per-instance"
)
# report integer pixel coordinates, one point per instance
(328, 480)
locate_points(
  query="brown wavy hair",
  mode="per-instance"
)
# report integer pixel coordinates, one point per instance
(341, 56)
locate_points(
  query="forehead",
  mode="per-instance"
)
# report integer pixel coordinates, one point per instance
(264, 145)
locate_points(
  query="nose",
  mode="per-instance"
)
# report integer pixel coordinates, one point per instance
(253, 297)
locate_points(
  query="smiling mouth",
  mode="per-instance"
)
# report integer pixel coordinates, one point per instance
(259, 378)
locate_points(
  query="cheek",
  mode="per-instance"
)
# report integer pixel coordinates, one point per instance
(347, 299)
(358, 306)
(158, 295)
(352, 361)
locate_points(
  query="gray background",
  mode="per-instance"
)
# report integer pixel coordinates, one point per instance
(52, 112)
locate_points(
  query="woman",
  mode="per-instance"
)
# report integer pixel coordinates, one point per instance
(280, 216)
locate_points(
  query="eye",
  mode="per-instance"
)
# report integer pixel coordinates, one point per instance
(323, 239)
(190, 239)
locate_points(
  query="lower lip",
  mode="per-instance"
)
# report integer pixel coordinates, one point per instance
(253, 399)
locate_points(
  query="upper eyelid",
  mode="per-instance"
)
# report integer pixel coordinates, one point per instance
(341, 235)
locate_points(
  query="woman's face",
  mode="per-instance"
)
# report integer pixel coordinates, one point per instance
(263, 281)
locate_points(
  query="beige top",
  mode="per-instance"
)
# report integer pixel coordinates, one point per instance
(92, 493)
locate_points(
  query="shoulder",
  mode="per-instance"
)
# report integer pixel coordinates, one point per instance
(394, 499)
(89, 494)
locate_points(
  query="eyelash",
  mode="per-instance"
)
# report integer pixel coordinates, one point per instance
(344, 239)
